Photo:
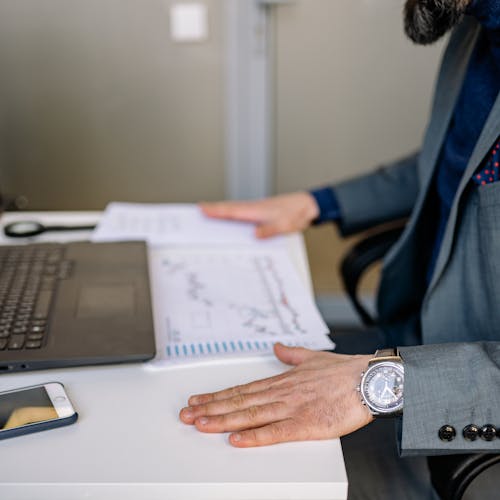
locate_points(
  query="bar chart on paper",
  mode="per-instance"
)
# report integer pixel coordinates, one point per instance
(221, 302)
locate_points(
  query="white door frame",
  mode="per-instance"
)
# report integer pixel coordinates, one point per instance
(249, 100)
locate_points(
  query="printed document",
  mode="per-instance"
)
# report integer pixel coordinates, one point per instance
(227, 302)
(217, 290)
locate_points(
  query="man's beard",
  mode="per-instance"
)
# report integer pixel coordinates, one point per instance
(426, 21)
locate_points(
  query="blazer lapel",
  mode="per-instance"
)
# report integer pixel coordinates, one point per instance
(488, 136)
(448, 86)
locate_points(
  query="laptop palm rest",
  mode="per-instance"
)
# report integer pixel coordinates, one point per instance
(104, 301)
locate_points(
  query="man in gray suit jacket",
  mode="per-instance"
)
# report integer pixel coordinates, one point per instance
(439, 295)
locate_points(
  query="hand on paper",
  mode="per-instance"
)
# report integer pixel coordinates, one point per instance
(317, 399)
(281, 214)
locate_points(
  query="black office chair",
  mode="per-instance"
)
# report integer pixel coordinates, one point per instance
(450, 474)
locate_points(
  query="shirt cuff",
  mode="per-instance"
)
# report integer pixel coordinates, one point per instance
(329, 208)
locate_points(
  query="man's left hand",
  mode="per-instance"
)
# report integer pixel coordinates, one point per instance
(317, 399)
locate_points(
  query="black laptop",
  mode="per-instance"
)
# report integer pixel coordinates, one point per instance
(74, 304)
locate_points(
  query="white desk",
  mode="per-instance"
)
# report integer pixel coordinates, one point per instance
(128, 442)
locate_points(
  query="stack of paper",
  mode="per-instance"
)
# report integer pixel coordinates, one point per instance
(172, 224)
(217, 291)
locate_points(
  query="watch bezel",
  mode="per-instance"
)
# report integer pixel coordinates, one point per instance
(373, 407)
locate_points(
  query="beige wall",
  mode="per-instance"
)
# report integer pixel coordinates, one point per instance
(351, 90)
(98, 103)
(3, 133)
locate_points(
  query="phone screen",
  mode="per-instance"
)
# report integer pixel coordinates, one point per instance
(25, 407)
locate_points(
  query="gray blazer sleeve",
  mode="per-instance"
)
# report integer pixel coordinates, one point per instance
(387, 194)
(453, 384)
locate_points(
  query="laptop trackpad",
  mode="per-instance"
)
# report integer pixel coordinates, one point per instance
(99, 301)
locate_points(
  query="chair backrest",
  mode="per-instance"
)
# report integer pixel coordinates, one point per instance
(452, 474)
(359, 258)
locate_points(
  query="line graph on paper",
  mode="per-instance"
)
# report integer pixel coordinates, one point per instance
(248, 298)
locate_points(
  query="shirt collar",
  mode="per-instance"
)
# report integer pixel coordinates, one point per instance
(487, 12)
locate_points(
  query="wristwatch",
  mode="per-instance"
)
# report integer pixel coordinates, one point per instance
(382, 384)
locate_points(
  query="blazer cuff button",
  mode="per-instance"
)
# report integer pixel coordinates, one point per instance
(470, 432)
(447, 433)
(488, 432)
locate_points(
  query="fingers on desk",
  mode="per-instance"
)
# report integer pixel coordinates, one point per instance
(274, 433)
(236, 401)
(255, 418)
(248, 418)
(255, 426)
(239, 390)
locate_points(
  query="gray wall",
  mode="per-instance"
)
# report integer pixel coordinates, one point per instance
(352, 91)
(98, 103)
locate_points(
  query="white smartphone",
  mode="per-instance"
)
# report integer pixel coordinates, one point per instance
(35, 408)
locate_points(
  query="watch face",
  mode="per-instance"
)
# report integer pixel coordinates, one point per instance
(382, 387)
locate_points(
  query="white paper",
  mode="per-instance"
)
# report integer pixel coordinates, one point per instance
(172, 224)
(221, 302)
(217, 290)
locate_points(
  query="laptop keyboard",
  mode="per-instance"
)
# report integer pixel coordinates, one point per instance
(28, 278)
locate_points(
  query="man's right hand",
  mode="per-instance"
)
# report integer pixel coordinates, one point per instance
(281, 214)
